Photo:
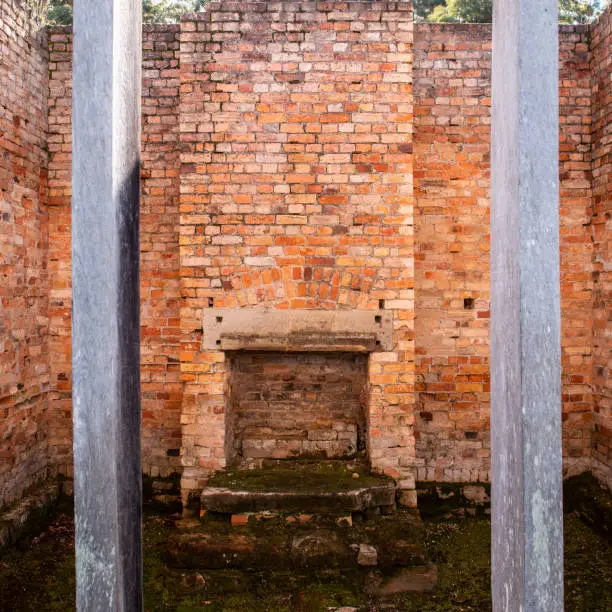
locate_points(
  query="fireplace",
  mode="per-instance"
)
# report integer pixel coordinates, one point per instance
(296, 405)
(296, 381)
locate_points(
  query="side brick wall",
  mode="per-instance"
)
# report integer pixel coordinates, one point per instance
(24, 324)
(452, 79)
(452, 76)
(601, 70)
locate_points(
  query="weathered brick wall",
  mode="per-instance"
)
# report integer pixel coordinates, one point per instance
(277, 171)
(296, 192)
(452, 125)
(24, 375)
(160, 300)
(60, 284)
(286, 405)
(452, 77)
(576, 246)
(159, 252)
(601, 67)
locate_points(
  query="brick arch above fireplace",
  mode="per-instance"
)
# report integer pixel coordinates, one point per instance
(306, 286)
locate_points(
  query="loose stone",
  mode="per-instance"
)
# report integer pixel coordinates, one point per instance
(368, 556)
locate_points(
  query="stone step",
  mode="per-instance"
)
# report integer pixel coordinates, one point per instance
(299, 487)
(231, 501)
(162, 495)
(376, 583)
(385, 542)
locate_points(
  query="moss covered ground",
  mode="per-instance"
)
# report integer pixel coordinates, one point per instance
(39, 575)
(301, 476)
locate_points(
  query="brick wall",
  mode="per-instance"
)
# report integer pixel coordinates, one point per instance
(159, 227)
(24, 374)
(452, 125)
(280, 142)
(576, 246)
(452, 76)
(296, 134)
(601, 67)
(159, 252)
(58, 205)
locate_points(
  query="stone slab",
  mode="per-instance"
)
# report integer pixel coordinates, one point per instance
(367, 555)
(405, 580)
(19, 518)
(391, 542)
(230, 501)
(268, 329)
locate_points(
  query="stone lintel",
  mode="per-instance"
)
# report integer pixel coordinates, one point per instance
(268, 329)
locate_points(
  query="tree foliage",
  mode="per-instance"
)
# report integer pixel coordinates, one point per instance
(38, 12)
(60, 12)
(481, 11)
(462, 11)
(578, 11)
(153, 11)
(165, 11)
(422, 8)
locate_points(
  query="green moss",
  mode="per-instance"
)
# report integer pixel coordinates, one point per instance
(300, 475)
(40, 574)
(461, 551)
(588, 568)
(584, 495)
(335, 593)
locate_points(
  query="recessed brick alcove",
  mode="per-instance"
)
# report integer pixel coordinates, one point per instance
(289, 405)
(296, 381)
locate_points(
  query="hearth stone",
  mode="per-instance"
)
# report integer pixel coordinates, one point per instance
(238, 502)
(299, 487)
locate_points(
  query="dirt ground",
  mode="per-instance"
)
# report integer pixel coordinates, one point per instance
(39, 574)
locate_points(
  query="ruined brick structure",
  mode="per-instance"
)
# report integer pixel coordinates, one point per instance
(26, 416)
(301, 156)
(601, 226)
(452, 140)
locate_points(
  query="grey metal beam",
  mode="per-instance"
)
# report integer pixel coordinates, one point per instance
(105, 324)
(527, 520)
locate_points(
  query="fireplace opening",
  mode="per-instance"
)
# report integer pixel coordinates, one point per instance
(296, 405)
